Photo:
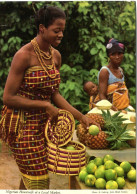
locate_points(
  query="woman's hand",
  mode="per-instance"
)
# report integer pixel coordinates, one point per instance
(52, 112)
(86, 122)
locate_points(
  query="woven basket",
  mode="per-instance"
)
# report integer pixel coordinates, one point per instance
(61, 131)
(66, 162)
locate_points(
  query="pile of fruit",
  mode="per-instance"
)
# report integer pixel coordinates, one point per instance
(105, 173)
(111, 133)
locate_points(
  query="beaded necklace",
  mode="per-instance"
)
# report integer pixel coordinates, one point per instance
(42, 55)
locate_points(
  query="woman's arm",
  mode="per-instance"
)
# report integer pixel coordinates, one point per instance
(10, 98)
(103, 83)
(61, 103)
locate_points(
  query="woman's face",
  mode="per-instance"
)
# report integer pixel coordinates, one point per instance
(53, 34)
(116, 58)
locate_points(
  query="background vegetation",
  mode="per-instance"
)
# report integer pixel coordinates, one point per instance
(90, 24)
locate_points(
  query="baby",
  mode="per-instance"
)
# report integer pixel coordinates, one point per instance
(92, 90)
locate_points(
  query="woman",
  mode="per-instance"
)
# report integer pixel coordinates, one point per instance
(111, 77)
(31, 86)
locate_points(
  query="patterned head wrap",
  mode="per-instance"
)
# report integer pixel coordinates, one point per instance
(114, 46)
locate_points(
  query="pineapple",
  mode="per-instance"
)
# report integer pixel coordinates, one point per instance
(94, 142)
(98, 141)
(114, 135)
(81, 133)
(97, 118)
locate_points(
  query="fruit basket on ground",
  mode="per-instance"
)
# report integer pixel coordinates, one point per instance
(65, 157)
(112, 135)
(66, 160)
(107, 173)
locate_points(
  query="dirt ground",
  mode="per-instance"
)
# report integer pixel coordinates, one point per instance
(10, 175)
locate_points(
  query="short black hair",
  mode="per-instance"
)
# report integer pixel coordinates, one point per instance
(47, 15)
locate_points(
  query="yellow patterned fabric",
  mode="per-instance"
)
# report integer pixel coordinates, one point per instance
(24, 130)
(36, 183)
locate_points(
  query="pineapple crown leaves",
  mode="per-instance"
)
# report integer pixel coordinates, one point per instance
(112, 120)
(121, 134)
(118, 144)
(117, 134)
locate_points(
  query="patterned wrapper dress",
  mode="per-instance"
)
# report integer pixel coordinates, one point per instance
(24, 130)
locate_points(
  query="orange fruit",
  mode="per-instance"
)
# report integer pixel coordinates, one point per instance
(126, 166)
(110, 174)
(119, 170)
(82, 175)
(90, 180)
(100, 183)
(109, 164)
(93, 130)
(111, 185)
(108, 157)
(99, 173)
(121, 182)
(131, 175)
(91, 167)
(98, 161)
(70, 148)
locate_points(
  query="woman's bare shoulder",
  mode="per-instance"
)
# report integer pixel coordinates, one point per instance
(104, 70)
(104, 73)
(25, 50)
(22, 56)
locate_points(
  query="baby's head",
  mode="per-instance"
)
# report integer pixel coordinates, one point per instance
(90, 88)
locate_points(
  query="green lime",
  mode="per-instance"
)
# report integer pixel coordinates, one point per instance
(121, 182)
(131, 175)
(90, 180)
(126, 166)
(91, 167)
(119, 170)
(116, 164)
(110, 174)
(108, 157)
(111, 185)
(93, 130)
(100, 183)
(109, 164)
(91, 161)
(99, 173)
(102, 167)
(70, 148)
(98, 161)
(82, 175)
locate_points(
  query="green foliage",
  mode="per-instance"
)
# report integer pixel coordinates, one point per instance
(89, 26)
(71, 87)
